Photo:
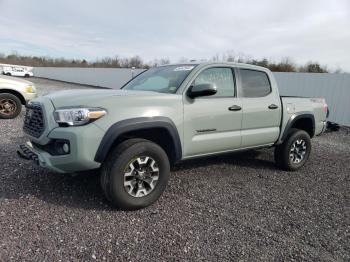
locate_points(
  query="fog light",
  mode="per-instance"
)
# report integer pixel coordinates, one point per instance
(61, 147)
(65, 148)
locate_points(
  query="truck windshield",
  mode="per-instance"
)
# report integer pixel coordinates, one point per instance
(163, 79)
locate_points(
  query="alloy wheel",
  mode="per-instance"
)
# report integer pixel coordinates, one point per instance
(297, 151)
(7, 106)
(141, 176)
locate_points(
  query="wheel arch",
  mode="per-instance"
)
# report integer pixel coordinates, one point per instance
(303, 121)
(160, 130)
(15, 93)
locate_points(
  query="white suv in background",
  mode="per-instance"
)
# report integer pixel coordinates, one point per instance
(17, 71)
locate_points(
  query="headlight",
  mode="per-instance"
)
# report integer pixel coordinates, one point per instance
(78, 116)
(30, 89)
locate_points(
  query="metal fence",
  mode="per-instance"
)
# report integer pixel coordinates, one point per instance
(334, 87)
(102, 77)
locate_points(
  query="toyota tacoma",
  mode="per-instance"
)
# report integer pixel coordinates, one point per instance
(165, 115)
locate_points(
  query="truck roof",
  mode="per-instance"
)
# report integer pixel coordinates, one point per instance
(240, 65)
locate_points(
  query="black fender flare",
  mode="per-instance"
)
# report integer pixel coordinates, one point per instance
(296, 117)
(135, 124)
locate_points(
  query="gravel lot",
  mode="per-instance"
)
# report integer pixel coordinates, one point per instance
(236, 207)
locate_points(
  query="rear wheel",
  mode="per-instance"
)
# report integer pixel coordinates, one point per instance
(135, 174)
(9, 74)
(10, 106)
(294, 152)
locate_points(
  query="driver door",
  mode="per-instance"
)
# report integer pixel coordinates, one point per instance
(213, 123)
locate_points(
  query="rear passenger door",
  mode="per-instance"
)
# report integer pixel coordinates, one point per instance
(261, 108)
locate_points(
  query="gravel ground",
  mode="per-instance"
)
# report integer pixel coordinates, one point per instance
(236, 207)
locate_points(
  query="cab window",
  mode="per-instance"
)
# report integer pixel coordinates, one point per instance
(254, 83)
(221, 77)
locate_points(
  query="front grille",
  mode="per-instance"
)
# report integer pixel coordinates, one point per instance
(34, 121)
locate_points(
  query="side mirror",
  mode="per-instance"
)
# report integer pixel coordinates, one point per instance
(205, 89)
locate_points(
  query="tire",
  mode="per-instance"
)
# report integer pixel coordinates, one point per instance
(26, 75)
(10, 106)
(122, 189)
(294, 152)
(8, 74)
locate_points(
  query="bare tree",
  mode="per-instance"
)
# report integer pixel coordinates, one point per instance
(313, 67)
(284, 65)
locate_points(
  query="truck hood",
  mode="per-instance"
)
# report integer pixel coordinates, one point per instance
(8, 80)
(95, 97)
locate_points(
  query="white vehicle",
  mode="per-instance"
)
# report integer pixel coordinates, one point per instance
(17, 71)
(13, 94)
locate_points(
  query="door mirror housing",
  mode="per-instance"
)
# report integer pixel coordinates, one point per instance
(206, 89)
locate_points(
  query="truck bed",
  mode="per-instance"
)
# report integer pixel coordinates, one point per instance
(294, 105)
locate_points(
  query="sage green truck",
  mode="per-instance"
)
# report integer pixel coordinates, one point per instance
(165, 115)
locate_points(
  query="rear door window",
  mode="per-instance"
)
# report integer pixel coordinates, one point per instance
(254, 83)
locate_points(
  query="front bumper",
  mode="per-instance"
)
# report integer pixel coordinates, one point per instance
(83, 142)
(25, 151)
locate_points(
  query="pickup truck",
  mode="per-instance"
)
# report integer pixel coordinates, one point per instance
(165, 115)
(13, 94)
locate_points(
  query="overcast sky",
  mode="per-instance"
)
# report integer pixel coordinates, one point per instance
(196, 29)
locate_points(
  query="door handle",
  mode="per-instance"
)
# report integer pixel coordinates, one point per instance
(234, 108)
(273, 106)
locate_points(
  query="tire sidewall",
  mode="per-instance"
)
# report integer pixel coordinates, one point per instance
(118, 194)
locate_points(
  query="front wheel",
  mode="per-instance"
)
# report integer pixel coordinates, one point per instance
(10, 106)
(135, 174)
(294, 152)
